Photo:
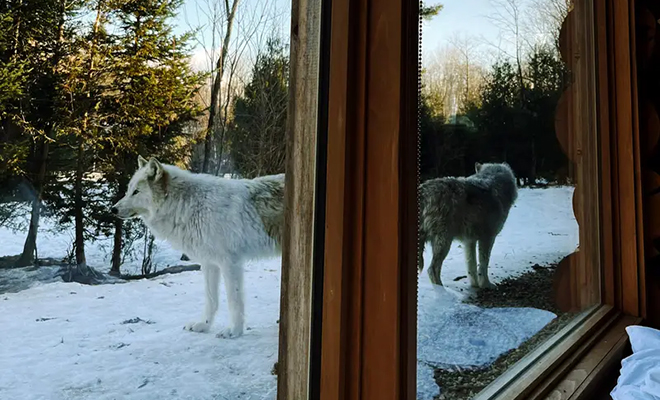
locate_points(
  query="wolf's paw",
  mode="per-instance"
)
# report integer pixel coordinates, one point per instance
(486, 285)
(230, 333)
(197, 327)
(434, 278)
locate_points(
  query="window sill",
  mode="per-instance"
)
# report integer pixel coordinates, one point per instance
(576, 365)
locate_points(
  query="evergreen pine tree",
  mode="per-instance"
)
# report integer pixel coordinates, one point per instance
(152, 103)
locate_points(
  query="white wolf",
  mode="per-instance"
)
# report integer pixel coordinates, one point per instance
(217, 222)
(472, 210)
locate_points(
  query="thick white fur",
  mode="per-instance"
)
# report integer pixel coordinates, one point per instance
(212, 220)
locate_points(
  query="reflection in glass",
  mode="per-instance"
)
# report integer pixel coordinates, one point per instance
(496, 192)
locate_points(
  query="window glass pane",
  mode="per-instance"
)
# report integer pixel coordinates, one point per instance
(501, 190)
(129, 277)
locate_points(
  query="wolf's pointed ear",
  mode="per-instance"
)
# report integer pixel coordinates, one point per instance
(156, 170)
(477, 166)
(141, 161)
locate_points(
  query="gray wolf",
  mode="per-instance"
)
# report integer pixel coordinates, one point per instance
(470, 209)
(218, 222)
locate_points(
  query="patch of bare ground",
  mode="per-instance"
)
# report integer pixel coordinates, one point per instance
(530, 289)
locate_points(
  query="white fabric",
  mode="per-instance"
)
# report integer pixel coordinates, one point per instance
(639, 378)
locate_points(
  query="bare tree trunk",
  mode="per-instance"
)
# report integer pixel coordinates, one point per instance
(81, 272)
(214, 109)
(147, 255)
(116, 249)
(467, 84)
(27, 257)
(119, 230)
(81, 261)
(93, 43)
(225, 119)
(532, 166)
(30, 246)
(17, 30)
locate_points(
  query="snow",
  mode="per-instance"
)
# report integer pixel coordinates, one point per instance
(70, 341)
(98, 253)
(452, 335)
(540, 229)
(87, 352)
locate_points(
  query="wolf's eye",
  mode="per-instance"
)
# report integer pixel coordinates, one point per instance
(136, 191)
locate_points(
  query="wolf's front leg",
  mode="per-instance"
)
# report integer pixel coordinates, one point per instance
(470, 247)
(233, 274)
(211, 283)
(485, 248)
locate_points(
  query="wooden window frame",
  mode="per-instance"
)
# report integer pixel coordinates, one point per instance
(597, 36)
(304, 199)
(368, 342)
(368, 221)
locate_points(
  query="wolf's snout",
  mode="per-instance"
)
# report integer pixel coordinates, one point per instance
(114, 210)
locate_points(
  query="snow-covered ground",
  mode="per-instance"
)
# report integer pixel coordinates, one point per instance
(125, 341)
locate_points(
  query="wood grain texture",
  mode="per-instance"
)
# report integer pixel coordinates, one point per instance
(572, 366)
(342, 308)
(600, 381)
(368, 330)
(536, 370)
(639, 188)
(610, 290)
(619, 210)
(621, 214)
(584, 378)
(577, 282)
(409, 159)
(647, 34)
(382, 293)
(627, 159)
(298, 236)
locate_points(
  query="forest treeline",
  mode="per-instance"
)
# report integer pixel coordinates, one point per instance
(87, 85)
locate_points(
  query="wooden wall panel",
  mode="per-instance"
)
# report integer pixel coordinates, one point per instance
(627, 152)
(369, 313)
(409, 160)
(298, 236)
(342, 308)
(647, 49)
(621, 216)
(381, 291)
(610, 293)
(577, 283)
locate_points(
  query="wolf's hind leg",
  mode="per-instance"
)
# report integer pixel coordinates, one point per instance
(211, 283)
(440, 250)
(471, 261)
(233, 274)
(485, 247)
(420, 253)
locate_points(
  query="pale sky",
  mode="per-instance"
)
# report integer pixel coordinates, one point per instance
(461, 17)
(272, 16)
(469, 18)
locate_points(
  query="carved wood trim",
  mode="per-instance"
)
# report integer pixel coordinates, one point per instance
(577, 283)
